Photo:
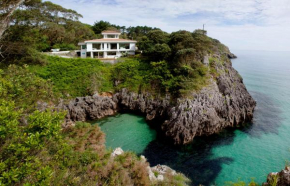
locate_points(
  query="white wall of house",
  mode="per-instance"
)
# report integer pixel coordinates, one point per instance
(83, 53)
(132, 46)
(107, 51)
(89, 47)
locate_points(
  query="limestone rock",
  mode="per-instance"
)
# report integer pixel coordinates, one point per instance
(279, 178)
(162, 172)
(90, 108)
(118, 151)
(160, 178)
(151, 175)
(206, 60)
(143, 159)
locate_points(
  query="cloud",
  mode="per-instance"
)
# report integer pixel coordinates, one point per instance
(241, 24)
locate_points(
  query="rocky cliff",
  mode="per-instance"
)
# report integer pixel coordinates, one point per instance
(224, 102)
(281, 178)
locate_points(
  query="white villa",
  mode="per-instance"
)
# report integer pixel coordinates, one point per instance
(109, 47)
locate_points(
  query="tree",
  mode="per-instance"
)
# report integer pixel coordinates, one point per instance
(7, 9)
(40, 26)
(100, 26)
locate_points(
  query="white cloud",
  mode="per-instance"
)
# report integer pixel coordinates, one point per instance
(241, 24)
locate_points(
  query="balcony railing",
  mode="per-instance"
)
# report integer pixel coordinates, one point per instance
(108, 49)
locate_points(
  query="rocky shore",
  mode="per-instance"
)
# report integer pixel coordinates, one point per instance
(281, 178)
(224, 102)
(158, 173)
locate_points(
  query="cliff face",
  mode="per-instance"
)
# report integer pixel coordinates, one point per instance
(224, 102)
(89, 108)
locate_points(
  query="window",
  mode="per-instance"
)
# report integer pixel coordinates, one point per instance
(112, 53)
(113, 45)
(111, 36)
(97, 46)
(124, 45)
(84, 47)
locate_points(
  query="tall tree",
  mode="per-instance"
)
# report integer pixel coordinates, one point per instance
(7, 8)
(100, 26)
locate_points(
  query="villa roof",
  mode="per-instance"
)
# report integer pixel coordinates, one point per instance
(110, 32)
(110, 41)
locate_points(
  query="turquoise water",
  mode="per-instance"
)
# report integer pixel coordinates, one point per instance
(128, 131)
(264, 147)
(235, 154)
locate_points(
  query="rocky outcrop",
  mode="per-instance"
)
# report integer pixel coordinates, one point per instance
(279, 178)
(224, 102)
(89, 108)
(158, 173)
(231, 56)
(118, 151)
(153, 108)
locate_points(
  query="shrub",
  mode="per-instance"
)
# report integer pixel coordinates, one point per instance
(65, 46)
(127, 75)
(25, 88)
(75, 77)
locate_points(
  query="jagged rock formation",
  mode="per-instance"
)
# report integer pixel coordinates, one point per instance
(279, 178)
(224, 102)
(89, 108)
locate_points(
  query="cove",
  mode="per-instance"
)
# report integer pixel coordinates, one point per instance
(128, 131)
(251, 151)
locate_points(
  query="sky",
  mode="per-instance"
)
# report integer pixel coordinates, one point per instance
(240, 24)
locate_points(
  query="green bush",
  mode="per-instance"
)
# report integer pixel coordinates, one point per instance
(127, 75)
(25, 88)
(75, 77)
(65, 46)
(21, 146)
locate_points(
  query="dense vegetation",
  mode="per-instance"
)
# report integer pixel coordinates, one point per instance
(75, 77)
(40, 26)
